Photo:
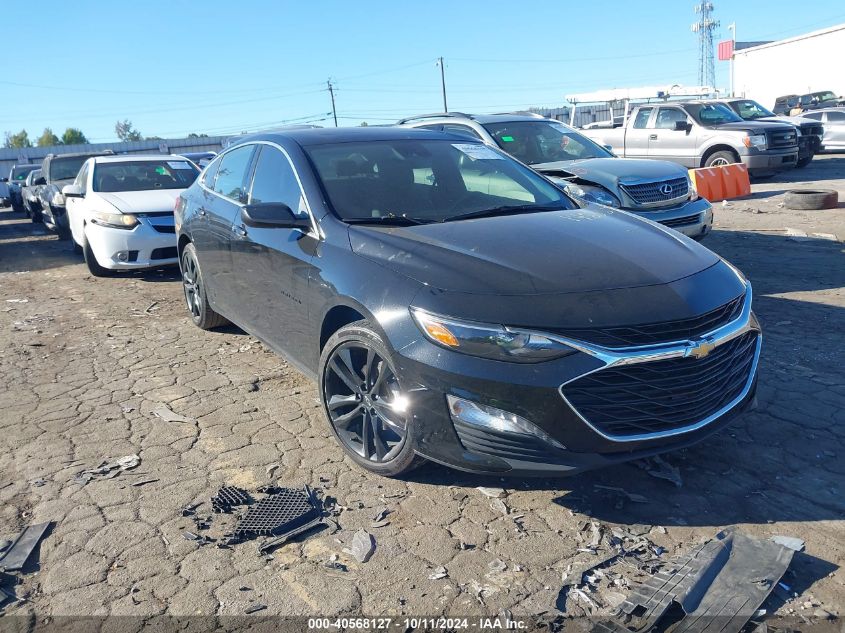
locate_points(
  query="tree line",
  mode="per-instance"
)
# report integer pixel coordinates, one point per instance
(124, 130)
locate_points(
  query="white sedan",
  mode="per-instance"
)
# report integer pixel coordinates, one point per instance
(120, 210)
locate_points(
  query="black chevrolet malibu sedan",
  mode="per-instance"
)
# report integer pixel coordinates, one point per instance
(454, 305)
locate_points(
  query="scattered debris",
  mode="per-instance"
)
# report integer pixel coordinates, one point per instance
(495, 493)
(499, 506)
(631, 496)
(151, 306)
(661, 469)
(17, 300)
(282, 515)
(16, 556)
(199, 539)
(227, 497)
(729, 576)
(108, 469)
(127, 409)
(40, 481)
(4, 545)
(165, 413)
(255, 607)
(575, 572)
(437, 574)
(793, 543)
(143, 482)
(497, 565)
(271, 469)
(362, 547)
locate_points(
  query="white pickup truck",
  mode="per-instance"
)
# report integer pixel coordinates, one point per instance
(702, 134)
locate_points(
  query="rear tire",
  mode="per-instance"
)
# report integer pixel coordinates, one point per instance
(358, 390)
(92, 263)
(811, 199)
(203, 316)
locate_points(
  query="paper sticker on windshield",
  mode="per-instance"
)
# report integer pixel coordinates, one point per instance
(180, 164)
(477, 152)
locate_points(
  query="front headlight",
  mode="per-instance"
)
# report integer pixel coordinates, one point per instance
(57, 199)
(693, 192)
(495, 342)
(757, 141)
(115, 220)
(590, 193)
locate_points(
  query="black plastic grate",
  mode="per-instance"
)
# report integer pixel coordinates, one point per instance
(687, 219)
(227, 497)
(279, 513)
(653, 333)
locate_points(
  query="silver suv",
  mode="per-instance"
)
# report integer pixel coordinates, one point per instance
(657, 190)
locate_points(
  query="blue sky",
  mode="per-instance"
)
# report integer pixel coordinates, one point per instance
(174, 67)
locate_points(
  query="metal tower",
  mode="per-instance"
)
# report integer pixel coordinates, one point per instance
(705, 28)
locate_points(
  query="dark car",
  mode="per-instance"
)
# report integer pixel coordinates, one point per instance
(453, 304)
(199, 158)
(796, 104)
(58, 170)
(29, 193)
(17, 176)
(810, 132)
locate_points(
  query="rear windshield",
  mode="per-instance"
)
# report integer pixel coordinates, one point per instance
(535, 142)
(427, 181)
(144, 175)
(20, 172)
(66, 168)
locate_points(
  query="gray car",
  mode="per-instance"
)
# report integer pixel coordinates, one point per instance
(833, 120)
(658, 190)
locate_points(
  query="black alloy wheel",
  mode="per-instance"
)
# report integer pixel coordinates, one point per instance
(364, 401)
(202, 313)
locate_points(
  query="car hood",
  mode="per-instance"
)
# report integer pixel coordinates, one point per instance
(154, 201)
(577, 250)
(755, 127)
(610, 172)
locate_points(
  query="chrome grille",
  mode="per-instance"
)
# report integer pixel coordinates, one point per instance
(665, 395)
(652, 193)
(654, 333)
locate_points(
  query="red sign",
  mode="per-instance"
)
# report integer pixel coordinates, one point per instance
(726, 50)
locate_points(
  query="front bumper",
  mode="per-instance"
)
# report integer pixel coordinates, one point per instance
(693, 218)
(150, 244)
(536, 393)
(771, 160)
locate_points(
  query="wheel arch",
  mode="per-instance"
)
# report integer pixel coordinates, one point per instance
(719, 147)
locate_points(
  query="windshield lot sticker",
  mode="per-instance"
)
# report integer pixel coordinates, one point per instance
(477, 152)
(178, 164)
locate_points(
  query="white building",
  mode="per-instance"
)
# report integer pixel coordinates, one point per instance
(807, 63)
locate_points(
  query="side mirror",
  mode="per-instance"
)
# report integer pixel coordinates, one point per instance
(4, 179)
(273, 215)
(41, 180)
(73, 191)
(682, 126)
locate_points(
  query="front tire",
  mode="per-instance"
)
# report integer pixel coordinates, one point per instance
(92, 263)
(718, 159)
(203, 316)
(365, 403)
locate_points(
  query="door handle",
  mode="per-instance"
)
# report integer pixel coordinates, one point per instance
(202, 212)
(239, 230)
(653, 137)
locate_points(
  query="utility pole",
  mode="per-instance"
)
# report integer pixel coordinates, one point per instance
(443, 82)
(732, 28)
(705, 27)
(331, 92)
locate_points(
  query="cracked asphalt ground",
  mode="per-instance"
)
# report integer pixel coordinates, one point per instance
(84, 361)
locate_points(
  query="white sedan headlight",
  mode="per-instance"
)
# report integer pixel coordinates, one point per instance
(115, 220)
(57, 199)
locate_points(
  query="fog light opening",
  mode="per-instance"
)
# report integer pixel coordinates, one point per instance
(493, 419)
(123, 256)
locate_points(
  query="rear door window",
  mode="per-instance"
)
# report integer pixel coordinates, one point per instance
(641, 120)
(275, 181)
(836, 117)
(666, 118)
(232, 173)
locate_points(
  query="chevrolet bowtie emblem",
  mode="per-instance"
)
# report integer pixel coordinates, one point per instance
(700, 348)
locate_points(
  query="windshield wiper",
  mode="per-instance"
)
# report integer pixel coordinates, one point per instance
(393, 220)
(505, 210)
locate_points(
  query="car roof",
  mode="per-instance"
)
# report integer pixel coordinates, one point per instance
(482, 119)
(123, 158)
(324, 136)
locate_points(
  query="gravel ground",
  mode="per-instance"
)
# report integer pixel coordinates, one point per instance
(85, 361)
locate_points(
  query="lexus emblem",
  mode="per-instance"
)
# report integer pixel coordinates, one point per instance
(700, 348)
(666, 190)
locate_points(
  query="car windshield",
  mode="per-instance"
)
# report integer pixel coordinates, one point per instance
(535, 142)
(750, 110)
(824, 96)
(66, 168)
(144, 175)
(416, 181)
(712, 114)
(20, 172)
